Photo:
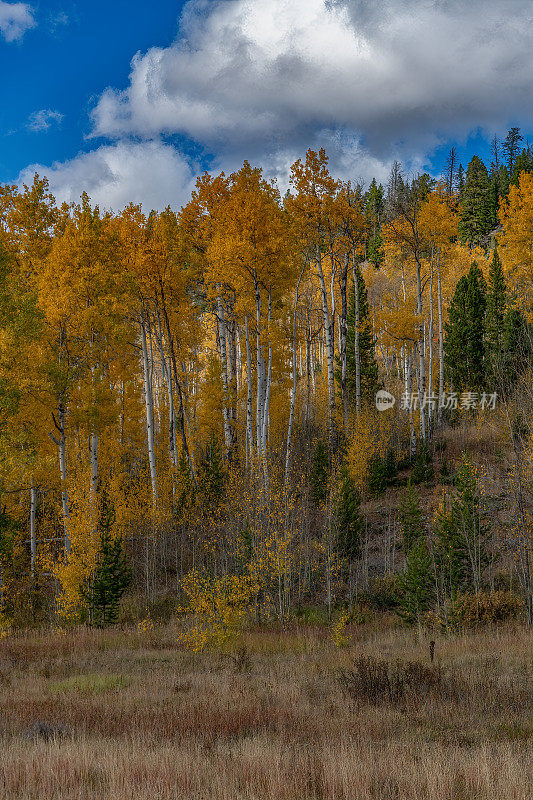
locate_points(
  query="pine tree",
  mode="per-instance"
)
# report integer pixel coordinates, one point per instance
(460, 181)
(416, 586)
(319, 474)
(212, 475)
(374, 209)
(374, 249)
(511, 146)
(112, 575)
(495, 312)
(464, 345)
(369, 367)
(450, 171)
(523, 163)
(348, 521)
(494, 197)
(474, 220)
(515, 347)
(462, 535)
(411, 520)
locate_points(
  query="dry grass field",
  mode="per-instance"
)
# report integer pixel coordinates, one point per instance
(128, 715)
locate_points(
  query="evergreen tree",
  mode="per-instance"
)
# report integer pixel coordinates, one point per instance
(112, 575)
(523, 163)
(460, 181)
(416, 585)
(462, 535)
(369, 367)
(495, 311)
(374, 210)
(411, 520)
(374, 249)
(421, 186)
(464, 343)
(474, 220)
(494, 196)
(511, 147)
(515, 348)
(319, 474)
(212, 475)
(348, 520)
(450, 171)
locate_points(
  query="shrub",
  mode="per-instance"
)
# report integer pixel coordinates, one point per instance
(383, 593)
(379, 682)
(382, 472)
(163, 607)
(468, 609)
(423, 466)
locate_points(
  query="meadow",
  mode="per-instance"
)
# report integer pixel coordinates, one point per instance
(280, 715)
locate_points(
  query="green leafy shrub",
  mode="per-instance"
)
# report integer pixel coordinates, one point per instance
(383, 593)
(468, 609)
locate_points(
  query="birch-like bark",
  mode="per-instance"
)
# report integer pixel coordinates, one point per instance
(357, 349)
(430, 336)
(342, 338)
(166, 368)
(308, 367)
(221, 320)
(264, 431)
(330, 347)
(94, 462)
(33, 536)
(181, 408)
(441, 343)
(62, 444)
(260, 375)
(249, 431)
(149, 406)
(294, 382)
(421, 353)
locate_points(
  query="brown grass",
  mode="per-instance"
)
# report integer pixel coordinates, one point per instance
(129, 716)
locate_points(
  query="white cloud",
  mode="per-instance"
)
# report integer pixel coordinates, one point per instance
(42, 120)
(15, 20)
(150, 173)
(270, 73)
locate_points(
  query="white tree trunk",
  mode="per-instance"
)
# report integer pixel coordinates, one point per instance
(249, 431)
(264, 431)
(33, 536)
(441, 343)
(357, 352)
(294, 383)
(63, 472)
(260, 389)
(149, 405)
(421, 353)
(94, 461)
(430, 365)
(329, 335)
(221, 319)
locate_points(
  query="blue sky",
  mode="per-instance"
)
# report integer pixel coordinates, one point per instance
(217, 81)
(73, 53)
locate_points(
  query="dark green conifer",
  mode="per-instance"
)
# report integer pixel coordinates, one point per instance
(464, 343)
(411, 520)
(112, 575)
(475, 218)
(348, 519)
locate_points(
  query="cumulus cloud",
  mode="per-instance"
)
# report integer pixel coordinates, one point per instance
(43, 120)
(15, 20)
(151, 173)
(268, 73)
(265, 79)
